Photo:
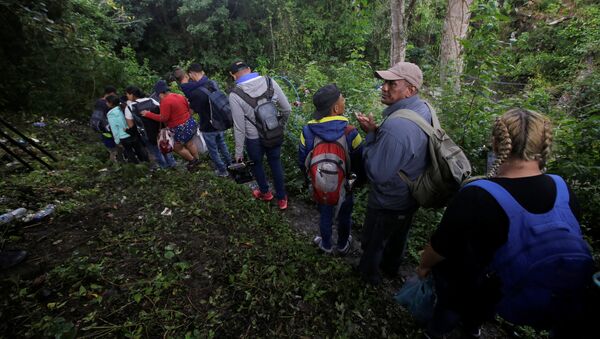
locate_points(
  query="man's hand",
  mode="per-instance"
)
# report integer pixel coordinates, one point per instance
(143, 113)
(367, 123)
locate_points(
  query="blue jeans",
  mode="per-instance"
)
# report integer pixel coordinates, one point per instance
(164, 160)
(256, 151)
(217, 149)
(344, 222)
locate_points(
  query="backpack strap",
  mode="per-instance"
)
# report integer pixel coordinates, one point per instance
(210, 87)
(416, 118)
(213, 84)
(508, 203)
(562, 192)
(270, 91)
(208, 93)
(205, 90)
(419, 121)
(253, 101)
(434, 119)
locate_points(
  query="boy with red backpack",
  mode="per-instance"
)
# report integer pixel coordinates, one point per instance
(330, 148)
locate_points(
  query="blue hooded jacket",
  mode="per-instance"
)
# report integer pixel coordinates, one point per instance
(199, 102)
(331, 128)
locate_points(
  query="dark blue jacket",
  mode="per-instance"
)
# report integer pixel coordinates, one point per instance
(199, 102)
(398, 144)
(330, 129)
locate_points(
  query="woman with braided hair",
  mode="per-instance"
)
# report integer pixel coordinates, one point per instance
(490, 240)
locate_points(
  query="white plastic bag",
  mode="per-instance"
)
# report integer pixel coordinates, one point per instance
(165, 140)
(200, 143)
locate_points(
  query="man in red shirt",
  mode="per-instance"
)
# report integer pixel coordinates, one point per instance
(175, 113)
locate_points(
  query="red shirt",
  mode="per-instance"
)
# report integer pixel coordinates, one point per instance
(174, 110)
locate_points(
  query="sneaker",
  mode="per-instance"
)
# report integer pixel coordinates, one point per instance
(344, 250)
(282, 203)
(319, 242)
(223, 174)
(256, 193)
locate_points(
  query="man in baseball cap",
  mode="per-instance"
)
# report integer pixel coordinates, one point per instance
(396, 145)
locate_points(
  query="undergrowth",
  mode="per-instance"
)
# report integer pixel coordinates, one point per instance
(109, 263)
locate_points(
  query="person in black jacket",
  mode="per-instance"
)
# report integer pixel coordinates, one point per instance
(481, 228)
(193, 84)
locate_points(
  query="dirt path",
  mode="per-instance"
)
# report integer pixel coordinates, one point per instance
(304, 217)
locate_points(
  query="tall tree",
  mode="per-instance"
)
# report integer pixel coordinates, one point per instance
(401, 14)
(455, 29)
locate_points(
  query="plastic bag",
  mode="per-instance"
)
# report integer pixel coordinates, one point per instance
(166, 140)
(200, 143)
(418, 297)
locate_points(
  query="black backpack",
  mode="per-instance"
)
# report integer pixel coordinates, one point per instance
(98, 120)
(147, 128)
(220, 112)
(266, 114)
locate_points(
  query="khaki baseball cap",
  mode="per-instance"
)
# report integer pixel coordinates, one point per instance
(403, 70)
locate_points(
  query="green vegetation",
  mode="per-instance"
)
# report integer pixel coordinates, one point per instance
(109, 264)
(223, 264)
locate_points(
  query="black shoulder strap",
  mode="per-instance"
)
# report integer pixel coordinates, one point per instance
(270, 91)
(205, 90)
(213, 85)
(133, 108)
(253, 102)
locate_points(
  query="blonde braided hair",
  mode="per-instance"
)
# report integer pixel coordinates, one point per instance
(521, 134)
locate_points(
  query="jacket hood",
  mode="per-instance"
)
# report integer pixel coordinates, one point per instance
(255, 86)
(329, 128)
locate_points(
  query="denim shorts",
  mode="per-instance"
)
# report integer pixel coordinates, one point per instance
(186, 131)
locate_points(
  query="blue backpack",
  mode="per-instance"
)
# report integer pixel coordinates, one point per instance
(545, 266)
(220, 112)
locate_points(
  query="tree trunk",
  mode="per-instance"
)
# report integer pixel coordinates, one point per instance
(401, 16)
(455, 29)
(398, 32)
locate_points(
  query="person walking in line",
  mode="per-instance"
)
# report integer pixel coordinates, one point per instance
(133, 150)
(261, 134)
(175, 114)
(136, 99)
(99, 123)
(191, 84)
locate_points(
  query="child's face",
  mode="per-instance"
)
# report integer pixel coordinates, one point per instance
(341, 105)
